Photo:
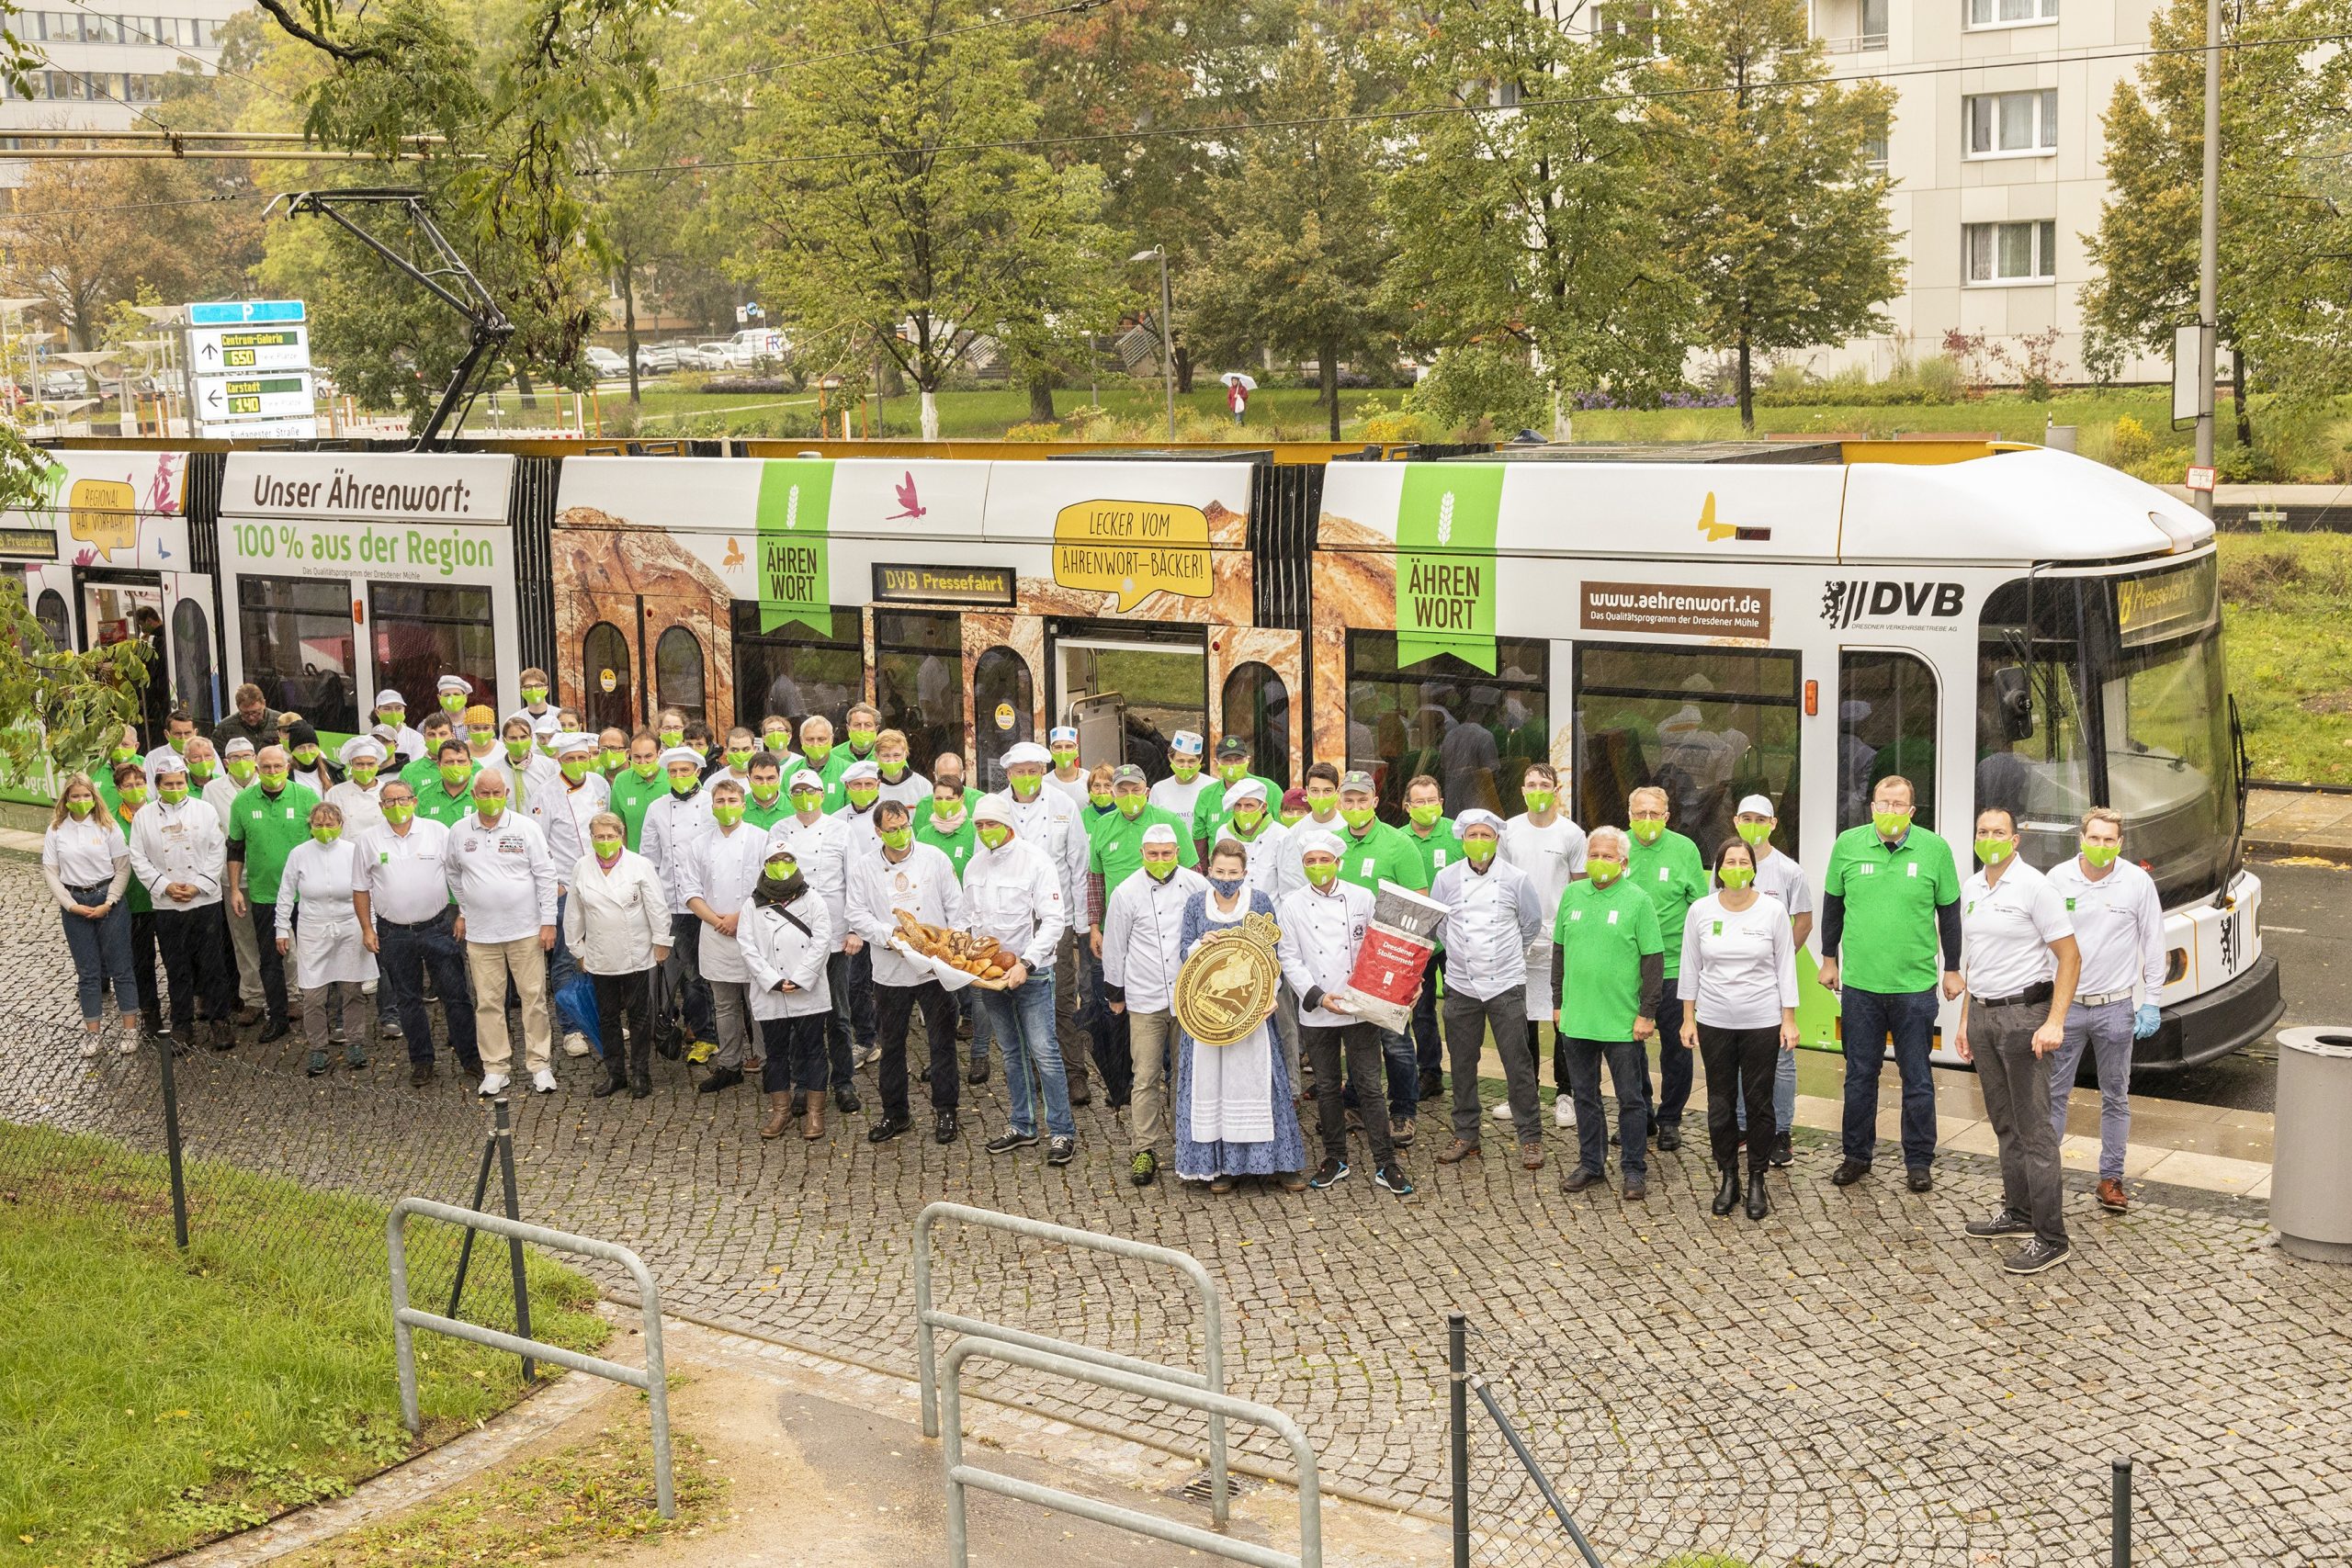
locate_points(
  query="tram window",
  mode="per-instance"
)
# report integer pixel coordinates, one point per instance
(426, 631)
(1256, 706)
(677, 672)
(1706, 725)
(1886, 727)
(919, 680)
(795, 672)
(296, 641)
(49, 611)
(1473, 731)
(1000, 679)
(192, 671)
(605, 652)
(2033, 745)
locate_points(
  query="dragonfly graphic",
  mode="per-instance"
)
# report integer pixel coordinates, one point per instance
(909, 506)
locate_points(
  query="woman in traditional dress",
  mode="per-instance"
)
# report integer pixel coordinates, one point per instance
(1234, 1115)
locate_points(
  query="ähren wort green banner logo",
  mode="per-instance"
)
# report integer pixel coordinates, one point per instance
(1445, 562)
(796, 578)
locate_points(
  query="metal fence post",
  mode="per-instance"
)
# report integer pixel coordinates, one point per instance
(2119, 1510)
(503, 1133)
(466, 1246)
(1457, 1363)
(172, 1142)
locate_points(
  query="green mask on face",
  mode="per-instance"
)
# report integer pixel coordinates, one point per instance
(1232, 772)
(326, 835)
(1479, 852)
(120, 754)
(2099, 856)
(896, 838)
(1292, 818)
(1540, 800)
(201, 771)
(1099, 798)
(575, 767)
(996, 835)
(1605, 872)
(305, 756)
(1753, 834)
(1736, 876)
(1993, 851)
(777, 740)
(363, 773)
(1024, 787)
(170, 795)
(727, 816)
(864, 794)
(766, 793)
(738, 759)
(240, 769)
(1322, 874)
(180, 743)
(1357, 818)
(455, 774)
(1890, 824)
(1185, 772)
(646, 768)
(399, 812)
(1647, 832)
(1424, 815)
(1159, 870)
(533, 695)
(817, 751)
(1247, 817)
(670, 737)
(78, 809)
(1063, 756)
(892, 771)
(782, 870)
(1131, 806)
(453, 703)
(611, 762)
(518, 750)
(608, 848)
(862, 739)
(479, 740)
(683, 786)
(134, 794)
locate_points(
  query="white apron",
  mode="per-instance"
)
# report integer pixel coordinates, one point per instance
(1233, 1085)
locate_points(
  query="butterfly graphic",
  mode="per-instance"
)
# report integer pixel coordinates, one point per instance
(909, 505)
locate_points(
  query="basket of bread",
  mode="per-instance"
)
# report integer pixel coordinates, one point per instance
(957, 958)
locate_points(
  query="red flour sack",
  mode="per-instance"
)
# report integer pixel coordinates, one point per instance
(1394, 956)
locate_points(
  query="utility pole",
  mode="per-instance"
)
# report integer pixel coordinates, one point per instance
(2209, 252)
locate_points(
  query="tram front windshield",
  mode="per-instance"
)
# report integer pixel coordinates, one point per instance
(2118, 696)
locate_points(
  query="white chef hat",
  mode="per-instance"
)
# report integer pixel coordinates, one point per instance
(1160, 834)
(164, 760)
(677, 754)
(455, 683)
(578, 741)
(1245, 789)
(545, 724)
(1022, 751)
(1185, 743)
(388, 698)
(1062, 735)
(862, 772)
(238, 746)
(992, 808)
(1319, 839)
(1478, 816)
(361, 749)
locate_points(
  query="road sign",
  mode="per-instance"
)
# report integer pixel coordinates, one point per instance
(2199, 479)
(243, 312)
(222, 399)
(212, 350)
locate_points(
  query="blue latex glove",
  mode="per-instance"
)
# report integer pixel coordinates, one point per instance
(2144, 1021)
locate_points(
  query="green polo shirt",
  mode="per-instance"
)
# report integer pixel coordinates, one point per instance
(760, 816)
(1117, 853)
(435, 804)
(136, 896)
(269, 829)
(924, 808)
(1208, 809)
(1380, 855)
(837, 792)
(956, 846)
(1441, 848)
(1674, 876)
(1891, 894)
(632, 793)
(1603, 933)
(419, 774)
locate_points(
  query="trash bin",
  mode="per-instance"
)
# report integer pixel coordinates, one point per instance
(2311, 1173)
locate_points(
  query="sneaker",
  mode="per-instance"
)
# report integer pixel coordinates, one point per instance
(1784, 1154)
(1563, 1111)
(355, 1056)
(1392, 1177)
(1501, 1112)
(1999, 1223)
(318, 1064)
(1144, 1170)
(1005, 1143)
(543, 1081)
(889, 1127)
(2035, 1255)
(942, 1126)
(978, 1072)
(1433, 1086)
(89, 1045)
(1401, 1133)
(494, 1083)
(389, 1027)
(865, 1058)
(1330, 1173)
(575, 1043)
(1060, 1151)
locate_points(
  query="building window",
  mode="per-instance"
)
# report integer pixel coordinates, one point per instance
(1707, 725)
(677, 672)
(1874, 152)
(1886, 727)
(2012, 124)
(297, 645)
(2012, 252)
(1256, 706)
(422, 633)
(49, 611)
(2011, 13)
(792, 671)
(100, 30)
(1472, 731)
(1635, 21)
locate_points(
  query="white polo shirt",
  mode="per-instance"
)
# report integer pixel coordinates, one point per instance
(404, 874)
(1778, 876)
(504, 885)
(2005, 929)
(1740, 966)
(2119, 924)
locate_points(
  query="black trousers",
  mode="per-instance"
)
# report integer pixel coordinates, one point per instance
(142, 966)
(1358, 1043)
(893, 1006)
(197, 961)
(405, 954)
(794, 1053)
(840, 1024)
(272, 963)
(1740, 1061)
(626, 1000)
(689, 992)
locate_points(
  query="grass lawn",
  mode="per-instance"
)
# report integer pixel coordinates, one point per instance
(154, 1401)
(2289, 663)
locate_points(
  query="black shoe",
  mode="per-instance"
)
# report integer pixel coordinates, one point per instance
(609, 1088)
(276, 1029)
(1060, 1151)
(471, 1065)
(720, 1078)
(1331, 1172)
(943, 1127)
(889, 1127)
(1726, 1193)
(419, 1074)
(1637, 1190)
(1999, 1223)
(1758, 1204)
(922, 1073)
(183, 1041)
(1784, 1154)
(387, 1027)
(1579, 1179)
(1670, 1138)
(1392, 1176)
(1849, 1171)
(2037, 1255)
(318, 1066)
(1005, 1143)
(639, 1089)
(1078, 1096)
(1144, 1170)
(799, 1103)
(1433, 1086)
(845, 1101)
(1919, 1178)
(979, 1073)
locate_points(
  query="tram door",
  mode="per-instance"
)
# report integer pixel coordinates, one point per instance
(117, 607)
(1160, 680)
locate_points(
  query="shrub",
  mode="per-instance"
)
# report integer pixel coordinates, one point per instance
(2129, 443)
(1478, 382)
(1038, 430)
(1376, 422)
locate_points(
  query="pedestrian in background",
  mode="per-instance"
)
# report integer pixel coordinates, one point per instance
(318, 923)
(1739, 1011)
(88, 866)
(2120, 928)
(617, 925)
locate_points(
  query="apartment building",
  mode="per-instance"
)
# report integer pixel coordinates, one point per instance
(102, 67)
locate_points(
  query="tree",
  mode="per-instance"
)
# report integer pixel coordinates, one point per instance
(2286, 249)
(1524, 220)
(67, 705)
(885, 219)
(1772, 208)
(1300, 253)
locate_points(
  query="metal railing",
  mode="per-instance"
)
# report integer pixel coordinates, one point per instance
(1219, 1407)
(1463, 1382)
(406, 1319)
(929, 1321)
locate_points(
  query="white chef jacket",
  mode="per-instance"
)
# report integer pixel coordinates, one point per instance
(83, 853)
(667, 838)
(2005, 929)
(1015, 896)
(183, 843)
(1740, 968)
(1290, 875)
(1080, 790)
(1143, 930)
(406, 742)
(501, 878)
(2119, 923)
(318, 880)
(923, 884)
(775, 950)
(1181, 799)
(361, 808)
(823, 850)
(1050, 822)
(563, 814)
(1263, 853)
(912, 790)
(1321, 932)
(614, 919)
(527, 780)
(722, 870)
(864, 833)
(405, 875)
(1551, 857)
(1493, 916)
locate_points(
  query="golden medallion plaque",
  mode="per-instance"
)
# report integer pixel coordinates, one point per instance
(1228, 984)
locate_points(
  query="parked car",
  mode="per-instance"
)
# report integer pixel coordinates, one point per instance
(753, 346)
(657, 358)
(713, 357)
(56, 385)
(604, 363)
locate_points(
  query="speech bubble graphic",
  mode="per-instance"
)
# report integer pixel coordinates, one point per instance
(106, 513)
(1133, 549)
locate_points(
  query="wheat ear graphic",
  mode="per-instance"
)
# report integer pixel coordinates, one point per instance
(1445, 519)
(792, 507)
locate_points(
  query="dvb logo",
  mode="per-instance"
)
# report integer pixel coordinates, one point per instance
(1847, 601)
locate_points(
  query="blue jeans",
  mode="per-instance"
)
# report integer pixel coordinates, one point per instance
(982, 1034)
(1870, 1018)
(1629, 1076)
(101, 951)
(1400, 1069)
(1674, 1075)
(407, 953)
(1023, 1022)
(2107, 1030)
(561, 967)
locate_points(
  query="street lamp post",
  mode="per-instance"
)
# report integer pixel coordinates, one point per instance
(1167, 331)
(2209, 252)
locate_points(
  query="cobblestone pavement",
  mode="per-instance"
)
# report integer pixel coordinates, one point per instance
(1852, 1382)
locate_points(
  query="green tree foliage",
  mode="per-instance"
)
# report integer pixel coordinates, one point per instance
(1300, 253)
(1772, 212)
(2286, 243)
(68, 704)
(1477, 392)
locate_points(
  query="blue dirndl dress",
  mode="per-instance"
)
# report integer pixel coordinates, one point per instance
(1286, 1150)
